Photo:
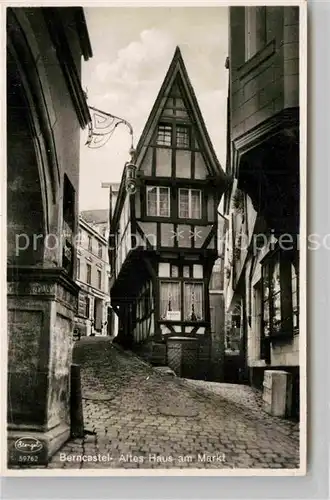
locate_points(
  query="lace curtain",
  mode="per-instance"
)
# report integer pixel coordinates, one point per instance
(193, 301)
(158, 201)
(195, 204)
(170, 297)
(163, 202)
(152, 201)
(184, 203)
(190, 204)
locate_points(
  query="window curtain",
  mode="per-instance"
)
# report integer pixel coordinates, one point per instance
(195, 204)
(193, 301)
(152, 201)
(184, 203)
(163, 202)
(170, 297)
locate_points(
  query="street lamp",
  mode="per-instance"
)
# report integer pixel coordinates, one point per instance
(130, 178)
(130, 170)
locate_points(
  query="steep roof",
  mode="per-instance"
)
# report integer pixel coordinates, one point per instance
(177, 70)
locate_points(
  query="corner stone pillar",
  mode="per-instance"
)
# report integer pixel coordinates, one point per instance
(42, 304)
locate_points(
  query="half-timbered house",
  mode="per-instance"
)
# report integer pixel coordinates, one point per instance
(164, 236)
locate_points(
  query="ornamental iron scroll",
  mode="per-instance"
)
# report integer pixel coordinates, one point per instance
(102, 126)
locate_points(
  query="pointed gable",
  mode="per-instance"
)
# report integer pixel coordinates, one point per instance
(176, 102)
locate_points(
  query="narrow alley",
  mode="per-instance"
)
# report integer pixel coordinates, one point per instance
(136, 417)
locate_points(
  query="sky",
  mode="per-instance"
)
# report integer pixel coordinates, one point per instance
(132, 50)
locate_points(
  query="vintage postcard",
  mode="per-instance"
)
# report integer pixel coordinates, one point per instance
(156, 239)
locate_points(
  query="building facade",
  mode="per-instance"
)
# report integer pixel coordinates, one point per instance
(217, 320)
(165, 234)
(93, 277)
(46, 108)
(262, 207)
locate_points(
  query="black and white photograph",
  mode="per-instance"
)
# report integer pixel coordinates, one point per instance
(156, 239)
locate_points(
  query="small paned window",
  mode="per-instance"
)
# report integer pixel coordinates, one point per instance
(164, 136)
(182, 137)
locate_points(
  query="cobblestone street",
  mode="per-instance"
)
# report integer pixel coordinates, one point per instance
(139, 418)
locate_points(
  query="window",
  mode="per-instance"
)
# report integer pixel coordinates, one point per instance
(187, 271)
(193, 301)
(98, 314)
(164, 135)
(99, 279)
(280, 295)
(90, 244)
(255, 30)
(216, 281)
(87, 307)
(78, 269)
(190, 203)
(109, 285)
(182, 137)
(174, 270)
(158, 201)
(170, 300)
(88, 274)
(99, 250)
(233, 330)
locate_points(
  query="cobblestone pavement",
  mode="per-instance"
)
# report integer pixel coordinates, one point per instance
(138, 418)
(249, 399)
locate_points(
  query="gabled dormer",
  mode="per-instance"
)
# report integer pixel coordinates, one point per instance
(175, 142)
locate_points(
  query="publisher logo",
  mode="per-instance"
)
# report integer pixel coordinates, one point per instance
(28, 445)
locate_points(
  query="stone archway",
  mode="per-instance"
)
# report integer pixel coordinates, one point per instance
(41, 294)
(25, 210)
